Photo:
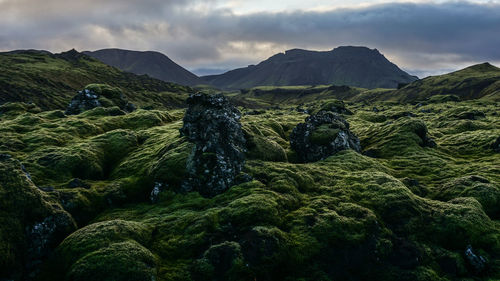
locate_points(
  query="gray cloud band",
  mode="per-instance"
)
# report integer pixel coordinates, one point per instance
(414, 35)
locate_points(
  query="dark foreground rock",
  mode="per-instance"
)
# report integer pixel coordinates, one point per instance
(423, 133)
(471, 115)
(213, 125)
(322, 135)
(217, 261)
(155, 193)
(32, 224)
(97, 95)
(476, 262)
(496, 145)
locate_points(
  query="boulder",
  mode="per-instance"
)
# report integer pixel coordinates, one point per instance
(471, 115)
(154, 196)
(322, 135)
(421, 130)
(476, 262)
(496, 145)
(33, 223)
(97, 95)
(218, 262)
(218, 156)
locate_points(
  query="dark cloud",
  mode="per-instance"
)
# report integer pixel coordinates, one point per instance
(194, 33)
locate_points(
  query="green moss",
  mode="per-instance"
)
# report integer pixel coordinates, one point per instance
(372, 117)
(350, 216)
(11, 109)
(324, 134)
(265, 149)
(100, 235)
(443, 98)
(24, 206)
(486, 193)
(50, 81)
(120, 261)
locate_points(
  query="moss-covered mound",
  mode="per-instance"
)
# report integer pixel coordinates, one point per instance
(32, 224)
(99, 95)
(485, 192)
(402, 210)
(111, 250)
(51, 80)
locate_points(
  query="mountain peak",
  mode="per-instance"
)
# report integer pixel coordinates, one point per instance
(71, 55)
(345, 65)
(483, 67)
(152, 63)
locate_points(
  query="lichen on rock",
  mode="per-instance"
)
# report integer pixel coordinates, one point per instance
(322, 135)
(213, 125)
(32, 223)
(97, 95)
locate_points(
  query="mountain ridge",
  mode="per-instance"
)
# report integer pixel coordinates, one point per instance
(473, 82)
(345, 65)
(51, 80)
(152, 63)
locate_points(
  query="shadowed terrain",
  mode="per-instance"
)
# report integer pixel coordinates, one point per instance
(154, 64)
(423, 187)
(350, 66)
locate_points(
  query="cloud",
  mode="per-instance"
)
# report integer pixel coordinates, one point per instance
(196, 33)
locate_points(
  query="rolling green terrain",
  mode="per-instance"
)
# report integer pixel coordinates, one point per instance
(50, 81)
(481, 81)
(400, 210)
(407, 214)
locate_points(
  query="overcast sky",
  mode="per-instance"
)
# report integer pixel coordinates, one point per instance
(422, 37)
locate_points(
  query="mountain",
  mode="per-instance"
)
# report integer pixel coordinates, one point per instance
(51, 80)
(351, 66)
(154, 64)
(473, 82)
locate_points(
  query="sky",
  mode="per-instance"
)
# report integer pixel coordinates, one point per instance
(423, 37)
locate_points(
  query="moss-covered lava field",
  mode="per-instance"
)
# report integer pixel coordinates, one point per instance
(399, 210)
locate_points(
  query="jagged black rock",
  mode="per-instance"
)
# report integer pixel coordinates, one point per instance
(213, 125)
(322, 135)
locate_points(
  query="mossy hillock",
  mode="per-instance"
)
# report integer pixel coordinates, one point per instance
(400, 210)
(50, 81)
(474, 82)
(99, 95)
(33, 224)
(322, 135)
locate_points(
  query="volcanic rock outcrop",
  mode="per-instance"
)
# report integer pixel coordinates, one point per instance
(322, 135)
(98, 95)
(496, 145)
(33, 224)
(213, 125)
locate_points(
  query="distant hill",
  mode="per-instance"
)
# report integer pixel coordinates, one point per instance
(51, 80)
(154, 64)
(351, 66)
(477, 81)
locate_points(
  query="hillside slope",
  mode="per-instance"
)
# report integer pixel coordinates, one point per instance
(154, 64)
(51, 80)
(477, 81)
(351, 66)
